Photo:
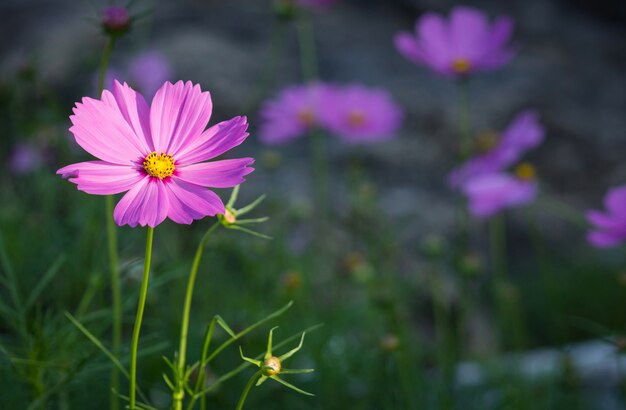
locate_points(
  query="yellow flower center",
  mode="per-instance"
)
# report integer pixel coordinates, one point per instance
(461, 65)
(525, 171)
(159, 165)
(356, 118)
(306, 117)
(271, 366)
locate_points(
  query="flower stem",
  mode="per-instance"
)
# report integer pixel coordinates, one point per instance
(136, 329)
(244, 395)
(179, 393)
(465, 120)
(306, 42)
(116, 297)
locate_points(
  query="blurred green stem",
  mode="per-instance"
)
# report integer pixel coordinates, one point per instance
(179, 393)
(465, 119)
(277, 44)
(136, 329)
(444, 354)
(306, 41)
(116, 297)
(244, 395)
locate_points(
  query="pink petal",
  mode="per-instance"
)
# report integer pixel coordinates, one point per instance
(468, 30)
(407, 45)
(179, 112)
(145, 204)
(189, 201)
(102, 178)
(435, 39)
(500, 33)
(217, 174)
(103, 132)
(213, 142)
(605, 239)
(602, 220)
(135, 110)
(615, 200)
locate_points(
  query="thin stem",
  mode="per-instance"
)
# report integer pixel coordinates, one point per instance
(179, 393)
(441, 315)
(306, 41)
(244, 395)
(319, 162)
(465, 119)
(116, 292)
(136, 329)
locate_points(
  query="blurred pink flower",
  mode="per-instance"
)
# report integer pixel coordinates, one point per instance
(491, 193)
(25, 158)
(464, 44)
(359, 114)
(523, 134)
(156, 152)
(146, 72)
(294, 112)
(609, 227)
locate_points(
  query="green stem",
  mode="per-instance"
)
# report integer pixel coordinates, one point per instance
(136, 329)
(465, 120)
(179, 393)
(244, 395)
(319, 162)
(306, 42)
(116, 297)
(445, 357)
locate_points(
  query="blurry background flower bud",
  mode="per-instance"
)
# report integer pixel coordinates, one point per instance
(115, 20)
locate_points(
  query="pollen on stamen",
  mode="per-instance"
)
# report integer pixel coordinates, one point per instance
(461, 65)
(525, 171)
(356, 118)
(159, 165)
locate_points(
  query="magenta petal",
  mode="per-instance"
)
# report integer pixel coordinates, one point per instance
(103, 132)
(135, 110)
(500, 33)
(468, 31)
(217, 174)
(615, 201)
(189, 201)
(179, 112)
(214, 142)
(102, 178)
(435, 39)
(145, 204)
(408, 46)
(605, 239)
(604, 221)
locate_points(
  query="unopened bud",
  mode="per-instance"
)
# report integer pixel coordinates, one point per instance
(271, 366)
(115, 20)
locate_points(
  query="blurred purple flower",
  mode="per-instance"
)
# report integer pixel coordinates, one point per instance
(524, 133)
(609, 227)
(465, 44)
(25, 158)
(491, 193)
(115, 20)
(146, 73)
(294, 112)
(359, 114)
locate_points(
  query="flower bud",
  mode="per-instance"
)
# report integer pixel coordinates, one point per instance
(115, 20)
(271, 366)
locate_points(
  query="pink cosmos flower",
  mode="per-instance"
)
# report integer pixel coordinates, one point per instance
(609, 227)
(359, 114)
(523, 134)
(491, 193)
(464, 44)
(156, 153)
(294, 112)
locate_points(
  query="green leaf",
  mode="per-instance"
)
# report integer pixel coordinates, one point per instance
(249, 231)
(291, 386)
(250, 206)
(292, 351)
(224, 326)
(296, 371)
(43, 282)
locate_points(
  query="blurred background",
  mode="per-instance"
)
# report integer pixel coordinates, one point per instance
(391, 217)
